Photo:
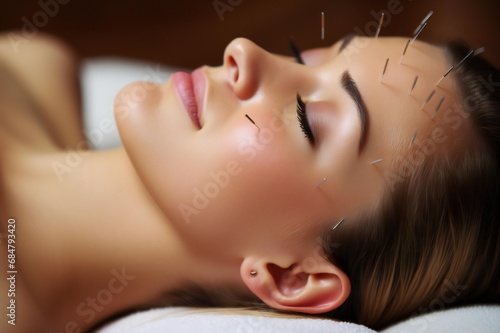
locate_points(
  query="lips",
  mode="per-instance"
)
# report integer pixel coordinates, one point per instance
(190, 89)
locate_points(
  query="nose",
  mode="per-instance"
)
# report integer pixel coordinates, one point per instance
(243, 63)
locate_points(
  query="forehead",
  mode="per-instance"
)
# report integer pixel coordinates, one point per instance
(353, 47)
(402, 120)
(405, 103)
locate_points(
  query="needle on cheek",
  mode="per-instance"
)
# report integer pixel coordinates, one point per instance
(321, 182)
(251, 120)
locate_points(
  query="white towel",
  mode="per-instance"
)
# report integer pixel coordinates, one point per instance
(481, 319)
(469, 319)
(182, 320)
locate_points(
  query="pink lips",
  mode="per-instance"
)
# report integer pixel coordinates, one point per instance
(190, 89)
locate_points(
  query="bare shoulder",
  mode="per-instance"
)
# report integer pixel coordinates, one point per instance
(16, 47)
(47, 69)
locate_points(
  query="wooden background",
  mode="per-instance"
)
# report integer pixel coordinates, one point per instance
(191, 33)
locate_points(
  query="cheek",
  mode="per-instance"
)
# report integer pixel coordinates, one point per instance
(247, 183)
(253, 162)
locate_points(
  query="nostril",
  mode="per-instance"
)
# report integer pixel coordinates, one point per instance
(242, 68)
(234, 73)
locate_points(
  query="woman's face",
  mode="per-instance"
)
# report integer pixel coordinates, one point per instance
(226, 183)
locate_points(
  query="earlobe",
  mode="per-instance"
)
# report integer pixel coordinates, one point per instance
(313, 290)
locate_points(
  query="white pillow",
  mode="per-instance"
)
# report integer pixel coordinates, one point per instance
(479, 318)
(100, 80)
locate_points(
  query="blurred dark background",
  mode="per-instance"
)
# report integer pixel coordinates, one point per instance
(195, 32)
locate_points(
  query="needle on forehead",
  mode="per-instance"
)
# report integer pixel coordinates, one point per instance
(413, 138)
(418, 33)
(379, 25)
(322, 25)
(428, 98)
(471, 53)
(404, 51)
(422, 23)
(413, 85)
(445, 74)
(479, 51)
(385, 68)
(438, 106)
(376, 161)
(339, 223)
(465, 58)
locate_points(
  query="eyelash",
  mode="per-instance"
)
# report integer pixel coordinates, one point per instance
(303, 121)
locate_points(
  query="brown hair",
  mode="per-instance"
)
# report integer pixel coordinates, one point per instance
(434, 241)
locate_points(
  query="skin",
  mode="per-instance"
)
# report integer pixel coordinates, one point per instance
(267, 214)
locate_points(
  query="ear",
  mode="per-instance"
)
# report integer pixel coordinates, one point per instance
(311, 286)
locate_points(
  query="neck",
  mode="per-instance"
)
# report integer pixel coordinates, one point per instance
(103, 245)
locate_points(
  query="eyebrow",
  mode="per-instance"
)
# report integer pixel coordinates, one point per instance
(351, 88)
